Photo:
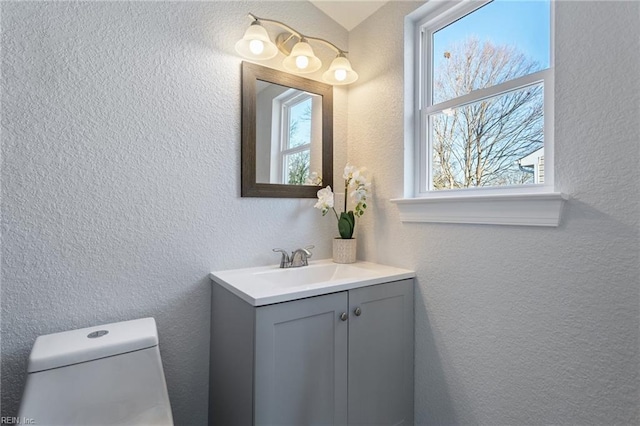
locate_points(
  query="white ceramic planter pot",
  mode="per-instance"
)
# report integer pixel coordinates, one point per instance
(344, 251)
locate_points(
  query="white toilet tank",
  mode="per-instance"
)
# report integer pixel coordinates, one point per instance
(106, 375)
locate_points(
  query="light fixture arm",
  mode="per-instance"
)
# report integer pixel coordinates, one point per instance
(329, 44)
(299, 35)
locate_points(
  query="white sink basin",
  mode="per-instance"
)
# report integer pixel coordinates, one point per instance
(313, 274)
(271, 284)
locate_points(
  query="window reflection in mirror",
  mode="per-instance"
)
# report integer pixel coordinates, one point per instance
(288, 135)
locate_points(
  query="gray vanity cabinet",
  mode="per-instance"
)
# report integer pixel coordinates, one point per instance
(336, 359)
(301, 362)
(381, 354)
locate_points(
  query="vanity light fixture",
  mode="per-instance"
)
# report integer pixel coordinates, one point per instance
(300, 58)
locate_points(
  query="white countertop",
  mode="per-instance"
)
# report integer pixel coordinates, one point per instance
(265, 285)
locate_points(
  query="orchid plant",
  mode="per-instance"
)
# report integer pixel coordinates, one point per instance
(356, 187)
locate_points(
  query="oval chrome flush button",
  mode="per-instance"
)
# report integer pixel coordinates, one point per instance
(97, 334)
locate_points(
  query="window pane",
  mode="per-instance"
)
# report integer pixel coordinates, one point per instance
(296, 167)
(300, 123)
(495, 142)
(498, 42)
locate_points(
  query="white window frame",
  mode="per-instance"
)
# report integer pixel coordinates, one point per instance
(282, 106)
(532, 204)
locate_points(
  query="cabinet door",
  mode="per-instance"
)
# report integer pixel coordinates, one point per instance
(381, 354)
(301, 362)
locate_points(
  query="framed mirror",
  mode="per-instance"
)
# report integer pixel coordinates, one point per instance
(287, 134)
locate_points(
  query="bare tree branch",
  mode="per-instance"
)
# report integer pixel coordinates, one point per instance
(479, 144)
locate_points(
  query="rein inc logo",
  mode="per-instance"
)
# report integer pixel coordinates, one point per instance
(17, 421)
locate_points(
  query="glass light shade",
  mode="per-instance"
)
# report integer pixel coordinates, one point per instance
(340, 72)
(256, 43)
(302, 54)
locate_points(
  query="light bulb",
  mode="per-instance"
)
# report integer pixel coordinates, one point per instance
(302, 62)
(340, 71)
(256, 47)
(301, 59)
(340, 74)
(256, 43)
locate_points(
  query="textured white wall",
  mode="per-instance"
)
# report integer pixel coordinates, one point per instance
(519, 325)
(121, 175)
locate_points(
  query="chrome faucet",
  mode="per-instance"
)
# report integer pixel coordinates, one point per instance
(299, 257)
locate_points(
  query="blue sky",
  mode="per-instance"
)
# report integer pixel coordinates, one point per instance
(513, 22)
(303, 133)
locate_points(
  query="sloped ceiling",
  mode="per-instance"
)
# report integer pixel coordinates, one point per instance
(348, 13)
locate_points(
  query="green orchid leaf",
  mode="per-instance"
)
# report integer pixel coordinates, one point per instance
(352, 219)
(346, 224)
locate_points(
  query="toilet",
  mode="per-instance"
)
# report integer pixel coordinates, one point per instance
(105, 375)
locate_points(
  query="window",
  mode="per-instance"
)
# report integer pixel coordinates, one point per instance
(294, 156)
(289, 136)
(482, 109)
(484, 70)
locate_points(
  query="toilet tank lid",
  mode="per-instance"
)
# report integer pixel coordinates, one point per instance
(87, 344)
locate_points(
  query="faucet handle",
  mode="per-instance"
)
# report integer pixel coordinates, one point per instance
(308, 250)
(284, 260)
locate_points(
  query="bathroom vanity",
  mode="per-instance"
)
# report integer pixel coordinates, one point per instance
(323, 344)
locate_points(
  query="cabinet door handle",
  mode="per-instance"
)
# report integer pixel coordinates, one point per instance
(357, 311)
(344, 316)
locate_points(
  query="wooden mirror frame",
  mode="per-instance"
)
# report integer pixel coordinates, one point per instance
(251, 73)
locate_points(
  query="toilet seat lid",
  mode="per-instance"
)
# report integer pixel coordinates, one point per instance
(87, 344)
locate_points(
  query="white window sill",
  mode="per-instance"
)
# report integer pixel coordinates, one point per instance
(523, 209)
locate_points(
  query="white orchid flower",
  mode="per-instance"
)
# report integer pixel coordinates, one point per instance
(359, 194)
(325, 200)
(348, 171)
(354, 178)
(357, 177)
(313, 179)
